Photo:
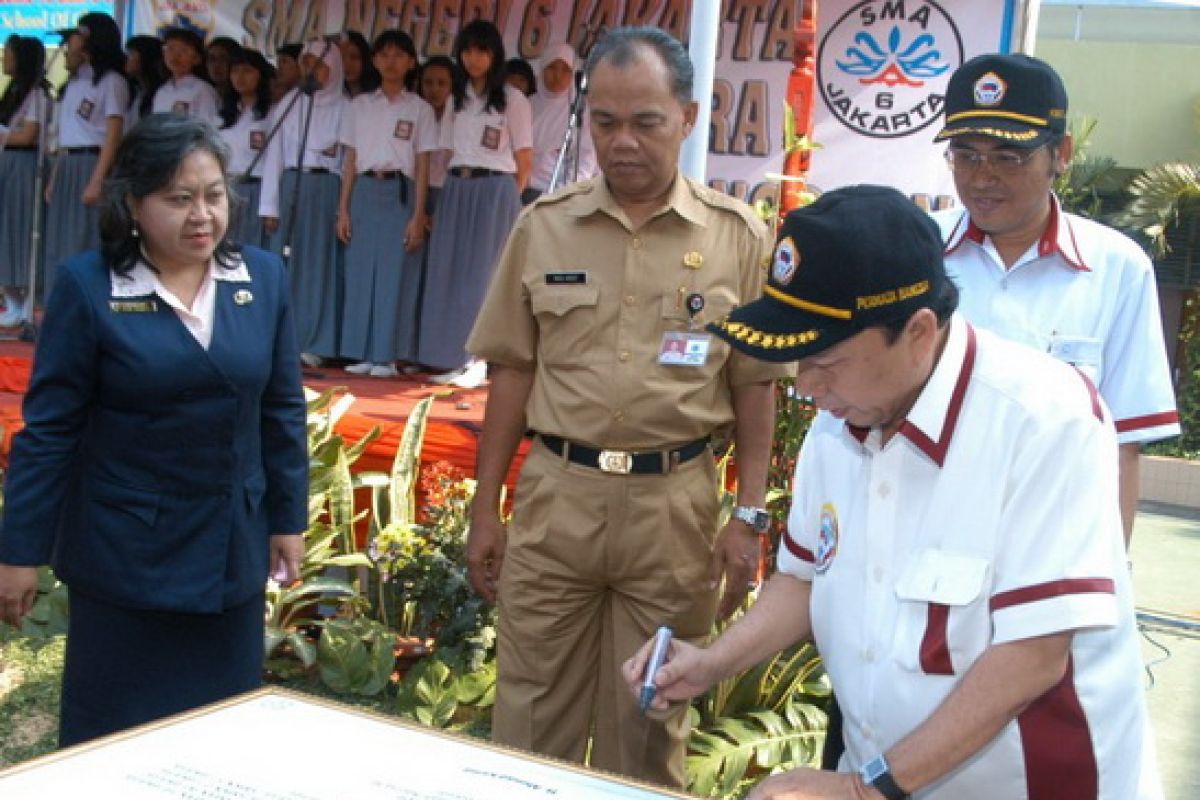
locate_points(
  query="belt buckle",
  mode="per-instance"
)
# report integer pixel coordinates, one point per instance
(616, 462)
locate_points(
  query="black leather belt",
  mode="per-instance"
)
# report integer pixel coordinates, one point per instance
(622, 462)
(476, 172)
(384, 174)
(92, 149)
(249, 179)
(20, 148)
(311, 170)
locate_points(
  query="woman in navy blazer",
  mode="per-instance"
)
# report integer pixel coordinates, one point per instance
(163, 465)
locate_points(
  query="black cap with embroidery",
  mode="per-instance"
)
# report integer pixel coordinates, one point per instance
(855, 258)
(1018, 99)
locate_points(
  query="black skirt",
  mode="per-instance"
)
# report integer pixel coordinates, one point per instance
(125, 667)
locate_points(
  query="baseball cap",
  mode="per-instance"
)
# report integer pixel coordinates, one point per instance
(857, 257)
(1015, 98)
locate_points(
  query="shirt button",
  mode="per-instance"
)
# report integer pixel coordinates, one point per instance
(624, 355)
(636, 243)
(619, 416)
(630, 299)
(869, 656)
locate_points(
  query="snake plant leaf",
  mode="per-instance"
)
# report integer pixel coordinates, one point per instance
(406, 467)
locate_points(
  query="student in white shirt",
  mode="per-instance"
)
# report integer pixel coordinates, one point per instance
(146, 71)
(488, 132)
(185, 92)
(551, 108)
(436, 85)
(388, 135)
(246, 120)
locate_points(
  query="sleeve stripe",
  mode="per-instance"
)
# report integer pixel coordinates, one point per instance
(799, 552)
(1147, 421)
(1045, 591)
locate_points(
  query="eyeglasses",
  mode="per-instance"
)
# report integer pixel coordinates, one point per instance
(1002, 162)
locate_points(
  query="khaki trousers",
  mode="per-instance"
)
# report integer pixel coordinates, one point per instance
(594, 564)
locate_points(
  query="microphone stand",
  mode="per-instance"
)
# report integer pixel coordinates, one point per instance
(309, 87)
(574, 124)
(28, 326)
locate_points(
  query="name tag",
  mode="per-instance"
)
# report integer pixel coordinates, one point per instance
(680, 349)
(257, 140)
(133, 306)
(85, 109)
(404, 129)
(566, 278)
(490, 139)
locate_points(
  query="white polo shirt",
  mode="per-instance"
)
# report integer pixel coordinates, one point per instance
(86, 107)
(1084, 293)
(322, 149)
(487, 139)
(990, 517)
(246, 139)
(188, 95)
(387, 134)
(551, 112)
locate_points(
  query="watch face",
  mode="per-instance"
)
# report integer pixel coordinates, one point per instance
(873, 769)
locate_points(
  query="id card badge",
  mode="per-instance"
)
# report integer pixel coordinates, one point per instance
(684, 349)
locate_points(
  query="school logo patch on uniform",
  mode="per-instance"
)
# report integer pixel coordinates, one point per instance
(787, 258)
(404, 129)
(85, 109)
(827, 538)
(989, 90)
(258, 140)
(490, 138)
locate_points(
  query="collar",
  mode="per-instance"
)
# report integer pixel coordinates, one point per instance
(682, 200)
(1058, 238)
(932, 420)
(142, 281)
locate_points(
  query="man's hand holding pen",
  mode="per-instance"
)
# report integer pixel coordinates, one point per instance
(686, 673)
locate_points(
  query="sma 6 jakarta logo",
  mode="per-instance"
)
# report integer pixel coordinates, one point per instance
(883, 66)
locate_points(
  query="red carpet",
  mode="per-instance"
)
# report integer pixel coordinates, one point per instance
(451, 434)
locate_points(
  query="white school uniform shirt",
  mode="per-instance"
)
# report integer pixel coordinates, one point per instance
(388, 134)
(33, 110)
(189, 95)
(487, 139)
(1084, 293)
(991, 516)
(551, 113)
(323, 149)
(86, 107)
(246, 139)
(439, 159)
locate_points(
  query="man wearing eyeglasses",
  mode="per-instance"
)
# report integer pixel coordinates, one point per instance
(1030, 271)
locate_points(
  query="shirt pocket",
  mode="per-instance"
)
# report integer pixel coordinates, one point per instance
(1085, 353)
(942, 624)
(566, 318)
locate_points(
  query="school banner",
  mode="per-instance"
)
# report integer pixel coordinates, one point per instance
(41, 20)
(882, 66)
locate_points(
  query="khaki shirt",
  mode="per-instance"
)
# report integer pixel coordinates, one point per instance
(583, 300)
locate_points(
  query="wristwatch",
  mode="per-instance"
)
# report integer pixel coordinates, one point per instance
(757, 518)
(878, 775)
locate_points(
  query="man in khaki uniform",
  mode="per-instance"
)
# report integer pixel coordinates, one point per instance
(594, 328)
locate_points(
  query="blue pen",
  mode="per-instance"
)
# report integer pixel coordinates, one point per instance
(658, 657)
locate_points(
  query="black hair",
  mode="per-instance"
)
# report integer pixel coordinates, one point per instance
(154, 71)
(519, 66)
(231, 101)
(102, 42)
(31, 55)
(193, 40)
(444, 62)
(943, 304)
(292, 50)
(226, 43)
(147, 160)
(621, 47)
(370, 80)
(482, 35)
(401, 40)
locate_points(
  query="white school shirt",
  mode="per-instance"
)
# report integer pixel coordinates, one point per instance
(32, 110)
(1084, 293)
(487, 139)
(551, 113)
(387, 134)
(87, 107)
(439, 159)
(991, 516)
(198, 319)
(321, 151)
(246, 138)
(189, 95)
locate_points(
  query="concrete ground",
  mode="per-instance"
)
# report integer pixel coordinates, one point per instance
(1166, 578)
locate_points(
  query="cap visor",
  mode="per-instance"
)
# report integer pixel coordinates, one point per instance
(769, 330)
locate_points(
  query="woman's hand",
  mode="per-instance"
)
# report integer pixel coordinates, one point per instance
(414, 234)
(18, 590)
(286, 553)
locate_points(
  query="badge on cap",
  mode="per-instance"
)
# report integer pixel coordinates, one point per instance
(242, 297)
(693, 260)
(989, 90)
(786, 261)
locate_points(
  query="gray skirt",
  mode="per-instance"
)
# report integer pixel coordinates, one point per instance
(245, 226)
(315, 264)
(18, 170)
(71, 227)
(381, 278)
(474, 218)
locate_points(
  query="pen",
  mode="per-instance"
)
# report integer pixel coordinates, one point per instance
(658, 657)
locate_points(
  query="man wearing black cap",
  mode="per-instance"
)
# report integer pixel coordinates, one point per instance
(1033, 273)
(954, 545)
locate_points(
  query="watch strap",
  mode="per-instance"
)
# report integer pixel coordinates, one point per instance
(878, 775)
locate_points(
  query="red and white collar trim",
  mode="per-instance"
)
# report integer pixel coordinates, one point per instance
(932, 420)
(1058, 237)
